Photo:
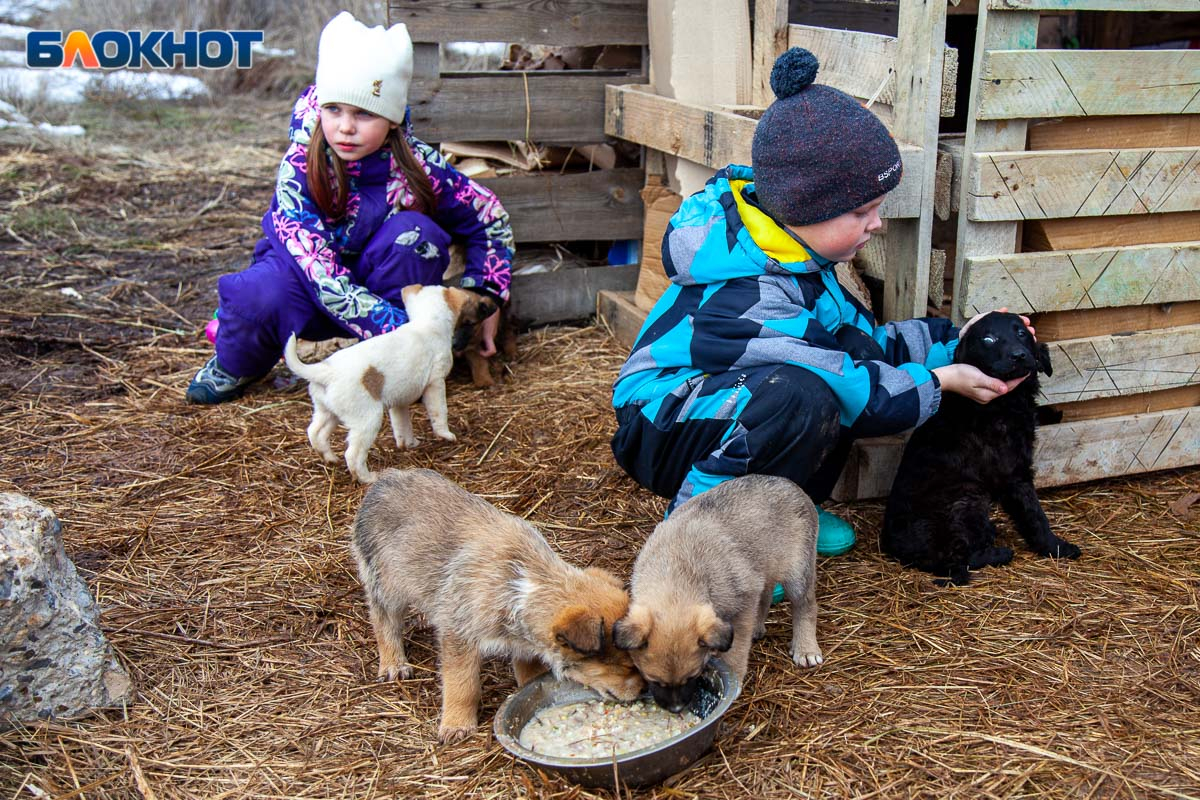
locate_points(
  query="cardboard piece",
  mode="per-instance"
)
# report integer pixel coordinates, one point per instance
(660, 204)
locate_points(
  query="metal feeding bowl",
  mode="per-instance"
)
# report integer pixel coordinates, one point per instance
(717, 690)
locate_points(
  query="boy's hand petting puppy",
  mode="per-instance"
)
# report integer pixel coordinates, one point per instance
(971, 382)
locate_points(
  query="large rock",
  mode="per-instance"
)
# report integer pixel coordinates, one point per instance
(54, 659)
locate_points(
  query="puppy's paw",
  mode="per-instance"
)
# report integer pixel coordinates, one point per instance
(449, 734)
(447, 435)
(410, 442)
(1060, 548)
(392, 672)
(759, 632)
(808, 659)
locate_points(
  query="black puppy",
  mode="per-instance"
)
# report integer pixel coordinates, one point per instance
(969, 455)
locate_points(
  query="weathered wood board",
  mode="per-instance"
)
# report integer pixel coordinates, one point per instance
(1097, 278)
(1092, 232)
(549, 107)
(1083, 183)
(566, 294)
(1078, 133)
(1076, 83)
(863, 65)
(717, 138)
(603, 204)
(572, 22)
(1056, 326)
(1107, 366)
(1070, 452)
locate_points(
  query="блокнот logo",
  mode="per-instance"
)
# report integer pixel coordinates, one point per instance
(154, 49)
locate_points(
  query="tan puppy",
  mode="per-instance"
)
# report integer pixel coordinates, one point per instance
(491, 586)
(703, 581)
(390, 371)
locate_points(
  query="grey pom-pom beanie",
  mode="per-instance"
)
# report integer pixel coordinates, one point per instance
(817, 152)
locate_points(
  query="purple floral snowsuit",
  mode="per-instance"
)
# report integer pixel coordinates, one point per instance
(322, 279)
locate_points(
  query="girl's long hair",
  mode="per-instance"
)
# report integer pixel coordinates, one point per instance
(330, 196)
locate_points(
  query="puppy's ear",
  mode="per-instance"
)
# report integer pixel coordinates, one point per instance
(484, 307)
(578, 628)
(714, 632)
(409, 291)
(1043, 359)
(633, 631)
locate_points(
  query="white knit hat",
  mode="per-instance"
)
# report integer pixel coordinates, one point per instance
(365, 67)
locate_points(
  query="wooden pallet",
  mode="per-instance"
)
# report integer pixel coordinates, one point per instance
(1110, 189)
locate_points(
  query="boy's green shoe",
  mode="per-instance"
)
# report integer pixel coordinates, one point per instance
(834, 537)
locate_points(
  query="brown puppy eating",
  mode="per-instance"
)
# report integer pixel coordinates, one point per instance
(490, 585)
(702, 583)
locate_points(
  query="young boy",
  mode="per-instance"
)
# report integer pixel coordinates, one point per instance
(755, 360)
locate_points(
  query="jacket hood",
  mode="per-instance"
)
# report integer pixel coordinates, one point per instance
(723, 219)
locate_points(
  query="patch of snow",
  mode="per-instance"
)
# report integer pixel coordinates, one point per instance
(45, 127)
(69, 85)
(13, 31)
(26, 10)
(258, 48)
(153, 85)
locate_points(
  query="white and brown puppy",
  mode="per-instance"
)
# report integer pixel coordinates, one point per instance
(491, 586)
(390, 371)
(702, 583)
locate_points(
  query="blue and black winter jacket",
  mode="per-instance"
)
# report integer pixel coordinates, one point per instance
(745, 292)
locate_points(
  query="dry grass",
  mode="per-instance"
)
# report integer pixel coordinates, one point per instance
(216, 543)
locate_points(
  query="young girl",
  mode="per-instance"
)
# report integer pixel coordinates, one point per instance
(361, 209)
(755, 360)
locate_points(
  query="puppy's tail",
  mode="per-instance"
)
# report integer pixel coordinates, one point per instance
(310, 372)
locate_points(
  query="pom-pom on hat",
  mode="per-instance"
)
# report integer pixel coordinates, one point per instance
(817, 152)
(370, 68)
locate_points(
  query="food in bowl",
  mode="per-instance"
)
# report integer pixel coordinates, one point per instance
(602, 728)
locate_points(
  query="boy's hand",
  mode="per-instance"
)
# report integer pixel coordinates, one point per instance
(970, 382)
(977, 317)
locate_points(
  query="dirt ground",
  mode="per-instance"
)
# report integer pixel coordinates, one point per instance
(216, 544)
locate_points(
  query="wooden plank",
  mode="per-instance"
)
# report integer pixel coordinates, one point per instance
(1179, 397)
(717, 138)
(864, 65)
(1097, 278)
(568, 23)
(1089, 232)
(770, 40)
(1020, 84)
(550, 107)
(1072, 452)
(1083, 183)
(1067, 453)
(1076, 133)
(918, 62)
(1092, 5)
(1060, 325)
(544, 207)
(995, 31)
(1106, 366)
(617, 312)
(566, 294)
